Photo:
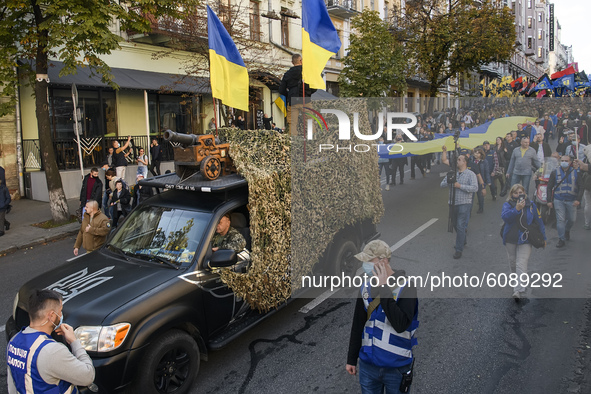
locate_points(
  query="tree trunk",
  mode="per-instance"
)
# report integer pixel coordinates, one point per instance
(57, 197)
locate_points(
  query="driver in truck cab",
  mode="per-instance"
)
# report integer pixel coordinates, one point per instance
(227, 237)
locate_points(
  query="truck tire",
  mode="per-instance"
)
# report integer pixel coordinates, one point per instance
(169, 365)
(342, 258)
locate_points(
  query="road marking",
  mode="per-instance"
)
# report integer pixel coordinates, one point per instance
(317, 301)
(322, 297)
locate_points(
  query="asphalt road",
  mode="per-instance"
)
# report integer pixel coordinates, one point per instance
(470, 340)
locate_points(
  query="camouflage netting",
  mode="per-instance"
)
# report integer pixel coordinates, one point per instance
(263, 159)
(331, 189)
(298, 202)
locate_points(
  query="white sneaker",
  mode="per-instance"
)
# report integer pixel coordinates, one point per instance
(388, 187)
(516, 295)
(428, 171)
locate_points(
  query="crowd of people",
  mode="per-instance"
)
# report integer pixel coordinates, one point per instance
(507, 167)
(103, 208)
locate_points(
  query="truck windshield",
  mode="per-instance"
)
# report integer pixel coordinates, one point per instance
(156, 233)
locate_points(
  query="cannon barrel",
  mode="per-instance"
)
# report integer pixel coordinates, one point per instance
(185, 140)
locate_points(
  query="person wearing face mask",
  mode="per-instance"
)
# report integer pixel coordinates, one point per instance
(92, 188)
(565, 183)
(384, 324)
(37, 363)
(518, 213)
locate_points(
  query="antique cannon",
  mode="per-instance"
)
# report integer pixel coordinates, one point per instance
(200, 153)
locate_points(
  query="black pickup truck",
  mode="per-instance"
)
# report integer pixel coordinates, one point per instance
(150, 304)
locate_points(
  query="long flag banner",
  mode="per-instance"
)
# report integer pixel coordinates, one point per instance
(320, 41)
(228, 74)
(469, 138)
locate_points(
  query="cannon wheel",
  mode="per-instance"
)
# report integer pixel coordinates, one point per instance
(211, 167)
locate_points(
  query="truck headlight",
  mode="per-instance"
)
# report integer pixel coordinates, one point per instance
(102, 339)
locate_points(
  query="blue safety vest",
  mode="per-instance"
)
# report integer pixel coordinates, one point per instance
(567, 190)
(21, 356)
(381, 345)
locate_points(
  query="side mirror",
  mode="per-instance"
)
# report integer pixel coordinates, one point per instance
(222, 258)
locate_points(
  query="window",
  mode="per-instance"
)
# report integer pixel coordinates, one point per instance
(171, 112)
(225, 15)
(530, 43)
(372, 5)
(284, 28)
(529, 4)
(255, 21)
(529, 22)
(539, 51)
(539, 34)
(98, 113)
(540, 17)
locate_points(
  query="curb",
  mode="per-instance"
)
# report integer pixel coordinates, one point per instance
(38, 241)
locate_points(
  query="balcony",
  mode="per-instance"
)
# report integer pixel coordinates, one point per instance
(341, 8)
(166, 30)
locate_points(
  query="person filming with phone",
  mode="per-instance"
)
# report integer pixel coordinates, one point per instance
(39, 364)
(519, 214)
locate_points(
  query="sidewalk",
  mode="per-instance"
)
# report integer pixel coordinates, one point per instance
(22, 234)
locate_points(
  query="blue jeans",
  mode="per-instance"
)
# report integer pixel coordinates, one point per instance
(523, 179)
(107, 209)
(566, 214)
(374, 380)
(462, 215)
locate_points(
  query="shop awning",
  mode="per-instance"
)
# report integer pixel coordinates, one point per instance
(131, 79)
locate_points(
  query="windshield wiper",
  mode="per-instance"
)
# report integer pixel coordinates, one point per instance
(155, 257)
(119, 251)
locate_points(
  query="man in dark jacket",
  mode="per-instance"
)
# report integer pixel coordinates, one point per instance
(291, 84)
(156, 153)
(92, 188)
(120, 202)
(140, 193)
(542, 148)
(4, 204)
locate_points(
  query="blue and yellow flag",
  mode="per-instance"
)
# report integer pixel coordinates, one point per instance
(482, 88)
(280, 102)
(544, 83)
(228, 74)
(567, 82)
(320, 41)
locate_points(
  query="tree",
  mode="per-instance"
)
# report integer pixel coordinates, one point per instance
(78, 33)
(444, 38)
(374, 65)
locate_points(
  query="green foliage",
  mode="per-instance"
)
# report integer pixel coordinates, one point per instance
(374, 65)
(77, 32)
(448, 38)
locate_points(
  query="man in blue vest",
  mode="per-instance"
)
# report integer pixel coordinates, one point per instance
(384, 323)
(568, 192)
(37, 363)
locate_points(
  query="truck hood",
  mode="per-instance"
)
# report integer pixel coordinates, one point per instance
(95, 285)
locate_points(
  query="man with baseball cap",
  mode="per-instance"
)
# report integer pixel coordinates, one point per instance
(384, 324)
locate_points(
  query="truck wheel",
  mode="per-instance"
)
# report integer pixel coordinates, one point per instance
(169, 366)
(342, 259)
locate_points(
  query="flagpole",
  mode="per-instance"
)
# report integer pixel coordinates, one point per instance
(303, 106)
(215, 116)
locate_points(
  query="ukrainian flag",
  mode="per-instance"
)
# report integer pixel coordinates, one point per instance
(228, 74)
(280, 102)
(320, 41)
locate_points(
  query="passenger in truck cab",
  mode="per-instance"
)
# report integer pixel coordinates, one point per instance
(227, 237)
